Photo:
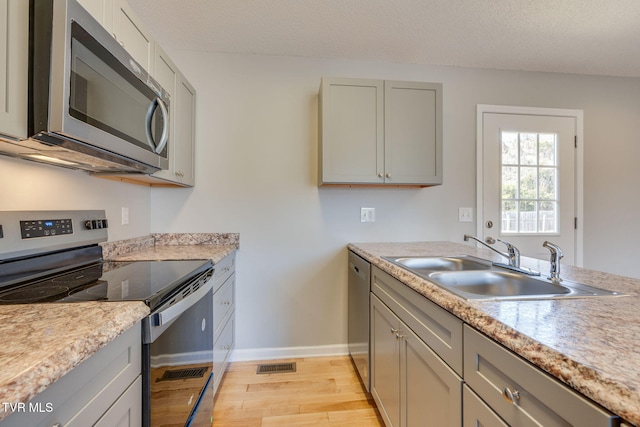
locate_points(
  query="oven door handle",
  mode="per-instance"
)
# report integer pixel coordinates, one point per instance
(169, 314)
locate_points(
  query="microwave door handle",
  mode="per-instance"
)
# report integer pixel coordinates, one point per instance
(157, 148)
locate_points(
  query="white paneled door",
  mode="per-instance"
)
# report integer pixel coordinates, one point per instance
(528, 182)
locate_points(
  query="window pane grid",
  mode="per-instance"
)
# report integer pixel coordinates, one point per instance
(529, 183)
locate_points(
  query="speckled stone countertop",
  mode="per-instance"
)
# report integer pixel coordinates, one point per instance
(42, 342)
(173, 246)
(590, 344)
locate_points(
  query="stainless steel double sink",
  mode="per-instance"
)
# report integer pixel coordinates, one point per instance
(477, 279)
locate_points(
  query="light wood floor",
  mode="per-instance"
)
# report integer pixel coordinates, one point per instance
(324, 391)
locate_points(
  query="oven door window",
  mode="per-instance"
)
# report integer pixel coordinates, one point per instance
(181, 368)
(107, 95)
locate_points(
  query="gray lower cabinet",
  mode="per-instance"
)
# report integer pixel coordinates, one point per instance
(223, 316)
(410, 382)
(104, 390)
(477, 413)
(520, 393)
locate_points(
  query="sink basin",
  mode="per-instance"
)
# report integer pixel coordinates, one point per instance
(503, 285)
(478, 279)
(431, 264)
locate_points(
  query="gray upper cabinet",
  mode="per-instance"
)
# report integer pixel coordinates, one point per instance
(182, 125)
(14, 43)
(101, 10)
(378, 132)
(119, 19)
(132, 35)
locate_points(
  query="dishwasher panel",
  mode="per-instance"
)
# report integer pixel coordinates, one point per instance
(358, 320)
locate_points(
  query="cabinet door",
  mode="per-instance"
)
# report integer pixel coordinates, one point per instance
(129, 31)
(185, 138)
(166, 73)
(412, 133)
(385, 362)
(14, 45)
(182, 120)
(351, 131)
(432, 392)
(101, 10)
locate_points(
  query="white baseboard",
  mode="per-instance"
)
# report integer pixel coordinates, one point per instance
(249, 354)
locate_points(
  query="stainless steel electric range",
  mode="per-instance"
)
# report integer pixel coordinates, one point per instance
(55, 257)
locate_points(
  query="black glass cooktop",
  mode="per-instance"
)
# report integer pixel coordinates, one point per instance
(149, 281)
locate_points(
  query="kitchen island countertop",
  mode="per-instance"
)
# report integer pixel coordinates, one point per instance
(590, 344)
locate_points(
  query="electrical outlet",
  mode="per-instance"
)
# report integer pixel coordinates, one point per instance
(465, 214)
(125, 216)
(367, 214)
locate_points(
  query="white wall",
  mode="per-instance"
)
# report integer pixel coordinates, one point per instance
(31, 186)
(256, 174)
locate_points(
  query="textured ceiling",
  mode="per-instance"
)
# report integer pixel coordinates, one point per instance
(568, 36)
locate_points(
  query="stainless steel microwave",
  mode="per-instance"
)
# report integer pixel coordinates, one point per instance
(91, 105)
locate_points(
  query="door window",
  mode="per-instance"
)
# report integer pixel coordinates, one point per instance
(529, 183)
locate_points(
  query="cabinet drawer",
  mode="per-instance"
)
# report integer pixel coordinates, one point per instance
(222, 270)
(222, 350)
(127, 411)
(83, 395)
(490, 368)
(223, 303)
(438, 328)
(476, 412)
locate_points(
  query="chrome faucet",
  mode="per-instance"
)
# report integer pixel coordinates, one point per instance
(556, 256)
(512, 254)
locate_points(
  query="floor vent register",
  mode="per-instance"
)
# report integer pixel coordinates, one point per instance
(182, 374)
(276, 368)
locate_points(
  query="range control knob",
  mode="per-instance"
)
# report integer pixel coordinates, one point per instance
(95, 224)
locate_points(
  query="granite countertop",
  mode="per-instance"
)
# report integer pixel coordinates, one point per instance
(178, 252)
(42, 342)
(173, 246)
(590, 344)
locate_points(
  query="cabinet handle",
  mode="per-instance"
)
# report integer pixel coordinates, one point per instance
(388, 175)
(510, 396)
(380, 175)
(398, 333)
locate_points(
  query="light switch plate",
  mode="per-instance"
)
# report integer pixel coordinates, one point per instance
(125, 216)
(465, 214)
(367, 214)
